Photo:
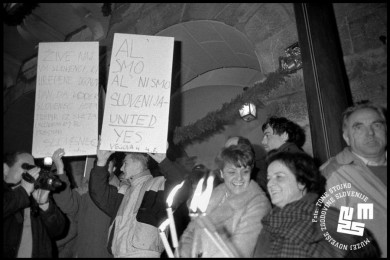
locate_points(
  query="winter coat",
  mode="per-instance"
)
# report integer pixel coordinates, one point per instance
(236, 218)
(347, 168)
(144, 209)
(46, 226)
(289, 147)
(293, 232)
(91, 223)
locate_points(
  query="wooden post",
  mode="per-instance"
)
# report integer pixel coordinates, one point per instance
(326, 83)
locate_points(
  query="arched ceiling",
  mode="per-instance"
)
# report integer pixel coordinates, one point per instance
(214, 57)
(209, 51)
(48, 22)
(217, 60)
(209, 45)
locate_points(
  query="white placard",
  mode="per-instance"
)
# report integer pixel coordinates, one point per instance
(136, 110)
(66, 100)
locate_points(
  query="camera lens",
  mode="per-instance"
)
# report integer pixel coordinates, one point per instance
(27, 166)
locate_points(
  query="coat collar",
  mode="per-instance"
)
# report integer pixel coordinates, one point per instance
(346, 156)
(289, 147)
(139, 177)
(222, 194)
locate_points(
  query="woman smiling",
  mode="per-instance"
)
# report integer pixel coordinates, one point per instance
(236, 208)
(290, 229)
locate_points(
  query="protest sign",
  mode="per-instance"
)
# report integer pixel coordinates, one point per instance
(136, 111)
(66, 100)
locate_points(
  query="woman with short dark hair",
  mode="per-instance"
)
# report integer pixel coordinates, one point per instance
(235, 209)
(293, 228)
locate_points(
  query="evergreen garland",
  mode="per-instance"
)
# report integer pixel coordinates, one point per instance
(215, 121)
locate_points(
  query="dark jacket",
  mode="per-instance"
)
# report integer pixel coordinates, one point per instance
(91, 223)
(46, 225)
(289, 147)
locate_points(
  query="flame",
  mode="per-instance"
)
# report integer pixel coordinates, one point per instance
(164, 225)
(205, 197)
(172, 194)
(196, 196)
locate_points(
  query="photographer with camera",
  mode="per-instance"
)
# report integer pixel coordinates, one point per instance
(30, 223)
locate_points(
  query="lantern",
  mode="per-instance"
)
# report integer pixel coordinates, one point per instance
(248, 112)
(292, 61)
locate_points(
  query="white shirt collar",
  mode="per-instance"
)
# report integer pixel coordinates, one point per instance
(371, 163)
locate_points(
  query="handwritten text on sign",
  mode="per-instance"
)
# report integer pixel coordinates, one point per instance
(136, 110)
(66, 101)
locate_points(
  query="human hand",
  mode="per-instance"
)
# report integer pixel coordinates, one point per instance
(42, 198)
(159, 157)
(123, 186)
(28, 186)
(102, 155)
(57, 155)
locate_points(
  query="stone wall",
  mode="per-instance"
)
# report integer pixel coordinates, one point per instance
(361, 28)
(271, 27)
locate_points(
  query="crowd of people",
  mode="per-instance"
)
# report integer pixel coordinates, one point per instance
(295, 208)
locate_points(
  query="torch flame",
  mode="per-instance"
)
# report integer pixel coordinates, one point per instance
(196, 196)
(172, 194)
(164, 225)
(205, 197)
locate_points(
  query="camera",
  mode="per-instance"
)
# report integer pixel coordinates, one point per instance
(47, 180)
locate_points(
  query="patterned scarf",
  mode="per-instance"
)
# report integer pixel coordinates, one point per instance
(293, 234)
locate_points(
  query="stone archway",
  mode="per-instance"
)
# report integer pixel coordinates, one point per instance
(216, 62)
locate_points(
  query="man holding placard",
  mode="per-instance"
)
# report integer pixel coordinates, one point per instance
(136, 211)
(135, 121)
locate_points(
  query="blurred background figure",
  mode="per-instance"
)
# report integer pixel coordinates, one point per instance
(281, 134)
(90, 224)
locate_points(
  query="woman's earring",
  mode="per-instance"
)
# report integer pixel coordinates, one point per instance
(302, 189)
(221, 174)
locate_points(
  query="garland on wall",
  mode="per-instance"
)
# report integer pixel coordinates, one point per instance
(215, 121)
